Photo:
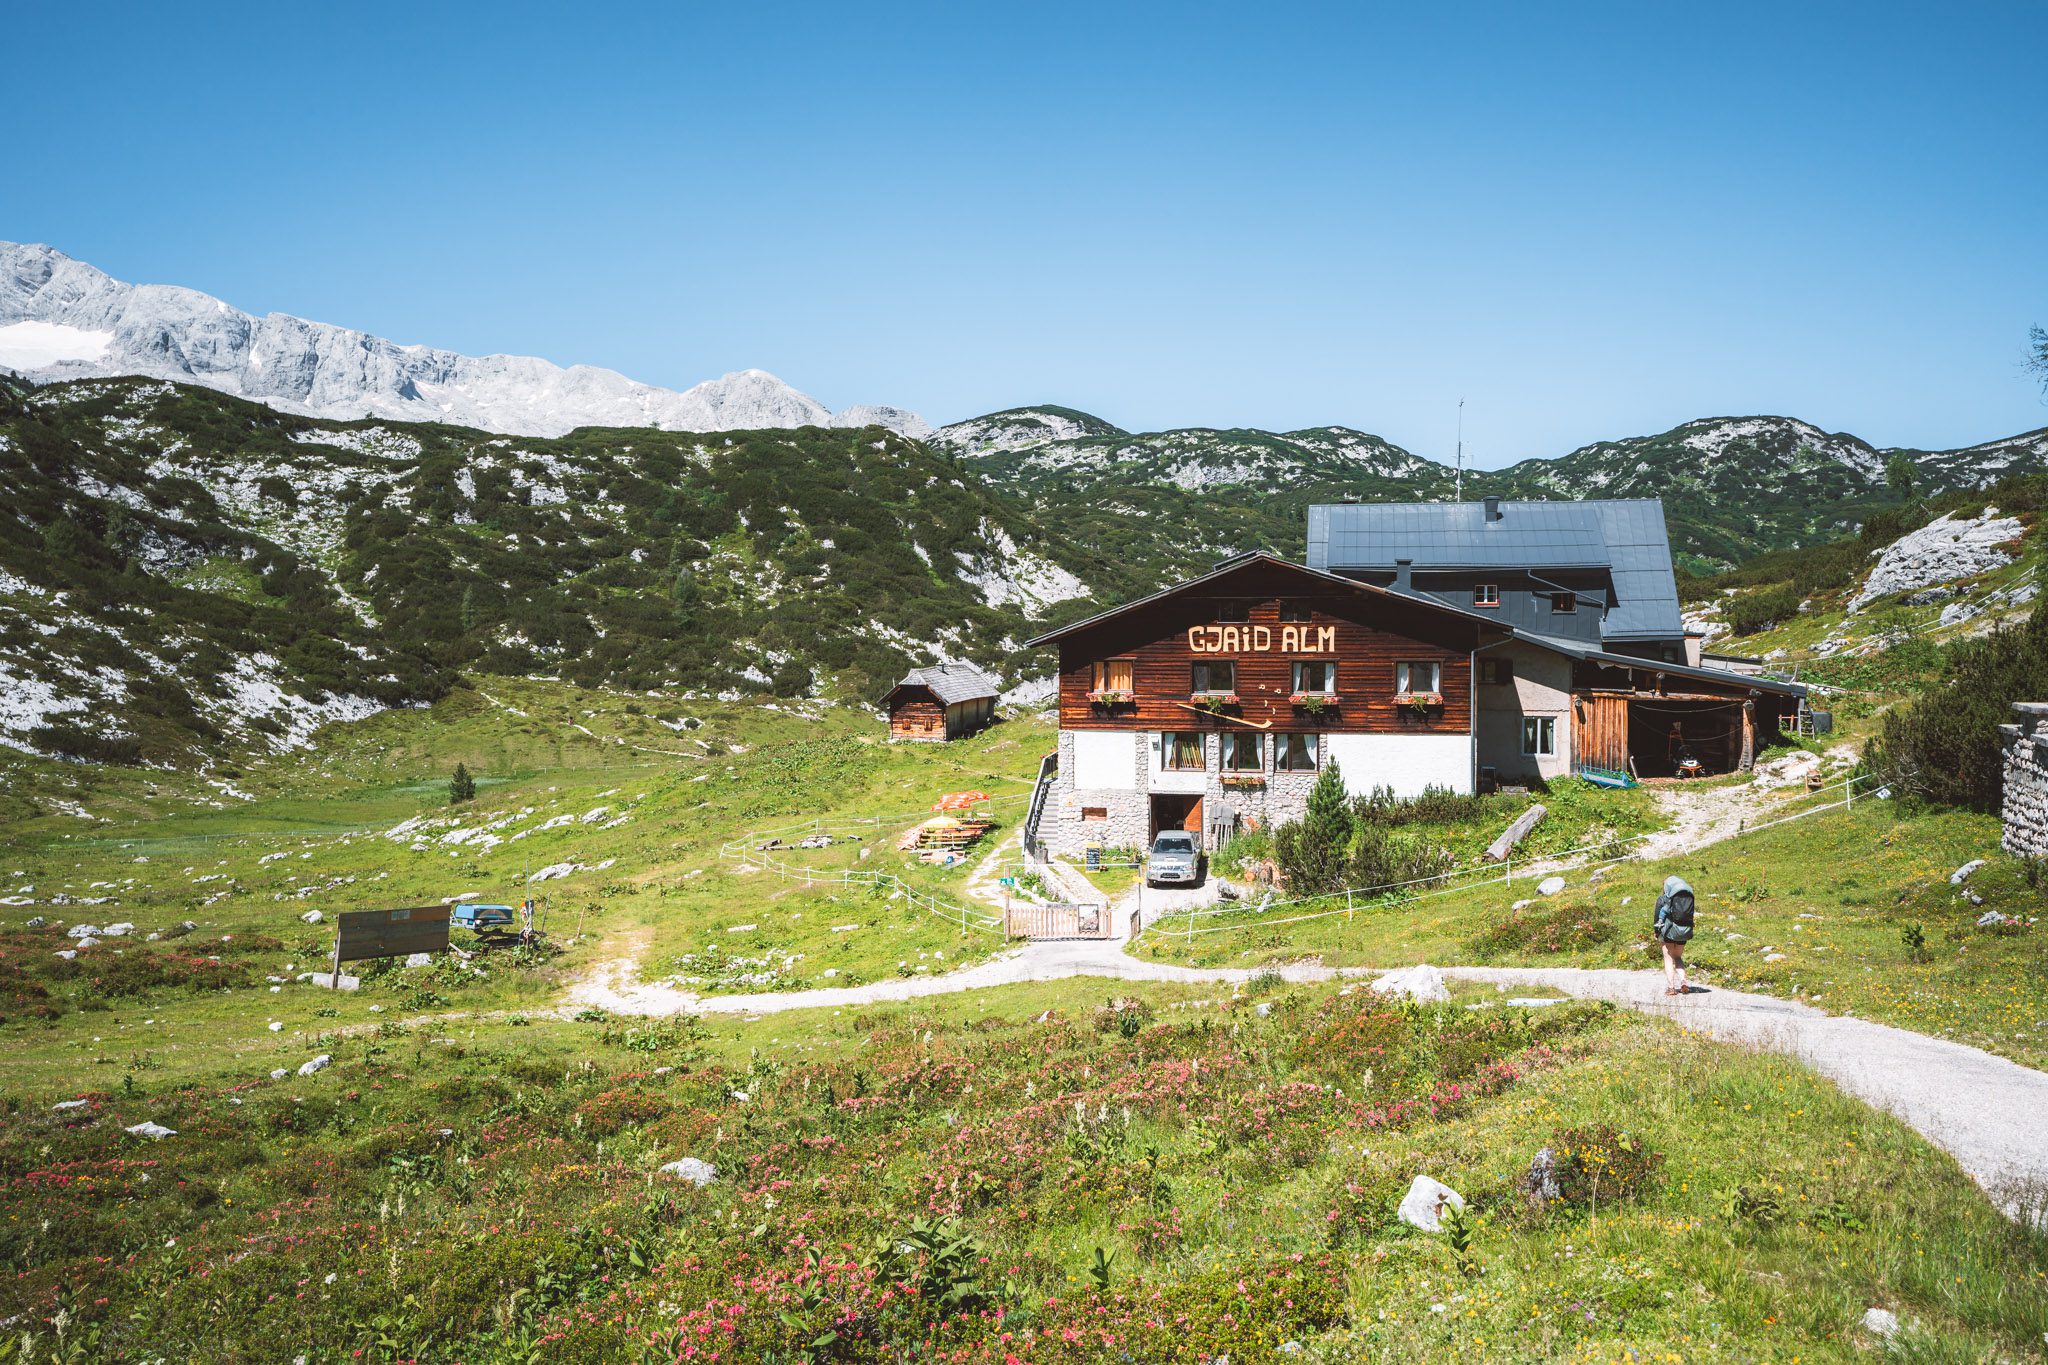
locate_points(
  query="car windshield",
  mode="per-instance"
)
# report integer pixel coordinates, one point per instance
(1174, 843)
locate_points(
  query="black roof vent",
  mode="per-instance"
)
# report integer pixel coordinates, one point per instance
(1493, 512)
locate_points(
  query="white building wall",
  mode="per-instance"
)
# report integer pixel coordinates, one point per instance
(1105, 760)
(1407, 763)
(1542, 686)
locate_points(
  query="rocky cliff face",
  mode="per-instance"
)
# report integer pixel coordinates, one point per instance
(61, 318)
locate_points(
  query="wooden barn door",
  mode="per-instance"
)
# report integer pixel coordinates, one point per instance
(1600, 731)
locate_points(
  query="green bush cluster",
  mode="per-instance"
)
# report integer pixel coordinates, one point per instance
(1332, 847)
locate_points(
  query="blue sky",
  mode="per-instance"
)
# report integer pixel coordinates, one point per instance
(1587, 221)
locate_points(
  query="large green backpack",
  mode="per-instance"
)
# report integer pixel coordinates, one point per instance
(1677, 917)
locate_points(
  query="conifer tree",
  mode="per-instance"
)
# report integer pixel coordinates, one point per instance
(1313, 851)
(461, 787)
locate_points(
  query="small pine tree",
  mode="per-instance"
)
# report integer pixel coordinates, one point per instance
(1314, 850)
(461, 787)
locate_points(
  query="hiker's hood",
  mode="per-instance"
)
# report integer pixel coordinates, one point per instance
(1674, 885)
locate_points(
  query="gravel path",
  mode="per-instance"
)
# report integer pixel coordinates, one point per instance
(1983, 1110)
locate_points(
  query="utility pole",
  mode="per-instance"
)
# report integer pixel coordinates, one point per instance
(1459, 494)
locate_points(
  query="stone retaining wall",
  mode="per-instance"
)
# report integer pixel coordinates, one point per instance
(2026, 781)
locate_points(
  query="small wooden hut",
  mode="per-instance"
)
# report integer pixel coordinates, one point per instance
(945, 701)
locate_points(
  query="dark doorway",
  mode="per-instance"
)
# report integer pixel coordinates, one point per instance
(1663, 733)
(1176, 810)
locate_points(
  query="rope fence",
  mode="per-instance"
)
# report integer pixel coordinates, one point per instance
(750, 850)
(1386, 895)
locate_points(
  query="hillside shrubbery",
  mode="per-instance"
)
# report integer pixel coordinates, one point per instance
(1339, 844)
(1944, 746)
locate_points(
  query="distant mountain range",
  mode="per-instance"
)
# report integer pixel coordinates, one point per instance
(61, 318)
(1733, 487)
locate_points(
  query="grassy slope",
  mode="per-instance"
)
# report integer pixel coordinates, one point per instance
(475, 1243)
(1831, 893)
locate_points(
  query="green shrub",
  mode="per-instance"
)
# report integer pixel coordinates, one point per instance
(1600, 1164)
(1550, 927)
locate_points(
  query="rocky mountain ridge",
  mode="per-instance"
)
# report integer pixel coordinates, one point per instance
(61, 318)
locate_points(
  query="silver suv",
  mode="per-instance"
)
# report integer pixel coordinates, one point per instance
(1175, 860)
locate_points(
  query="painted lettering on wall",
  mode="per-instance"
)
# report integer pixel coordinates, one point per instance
(1259, 639)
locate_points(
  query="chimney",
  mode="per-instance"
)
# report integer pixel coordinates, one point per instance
(1403, 578)
(1493, 507)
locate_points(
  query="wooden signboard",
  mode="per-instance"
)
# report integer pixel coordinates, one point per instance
(363, 934)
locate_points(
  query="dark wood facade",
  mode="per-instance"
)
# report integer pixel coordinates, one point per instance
(916, 717)
(1263, 619)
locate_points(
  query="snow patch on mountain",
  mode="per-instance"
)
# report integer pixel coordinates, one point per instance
(62, 319)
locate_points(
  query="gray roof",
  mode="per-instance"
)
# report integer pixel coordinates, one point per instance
(952, 683)
(1579, 649)
(1625, 536)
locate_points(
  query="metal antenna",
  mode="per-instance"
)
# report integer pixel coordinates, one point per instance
(1459, 494)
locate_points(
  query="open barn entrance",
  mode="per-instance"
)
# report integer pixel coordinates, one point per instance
(1176, 810)
(1664, 732)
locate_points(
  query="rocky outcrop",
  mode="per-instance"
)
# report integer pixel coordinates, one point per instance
(2026, 781)
(1943, 551)
(62, 319)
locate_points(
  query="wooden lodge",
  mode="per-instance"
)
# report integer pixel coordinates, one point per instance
(942, 702)
(1213, 705)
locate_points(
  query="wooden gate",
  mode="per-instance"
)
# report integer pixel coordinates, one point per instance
(1600, 731)
(1058, 920)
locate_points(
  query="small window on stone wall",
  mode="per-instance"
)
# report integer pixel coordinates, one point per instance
(1095, 812)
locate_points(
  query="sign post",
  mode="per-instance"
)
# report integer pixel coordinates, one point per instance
(361, 934)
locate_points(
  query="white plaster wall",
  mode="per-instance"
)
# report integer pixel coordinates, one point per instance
(1106, 760)
(1542, 686)
(1407, 763)
(1161, 780)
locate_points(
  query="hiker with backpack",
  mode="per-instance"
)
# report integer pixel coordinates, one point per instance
(1673, 928)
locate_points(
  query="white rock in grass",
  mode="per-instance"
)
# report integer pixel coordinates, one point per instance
(311, 917)
(82, 931)
(150, 1129)
(118, 930)
(1535, 1002)
(276, 1027)
(279, 1074)
(697, 1172)
(1957, 878)
(320, 1063)
(1881, 1323)
(1550, 886)
(1423, 983)
(67, 953)
(61, 1105)
(419, 960)
(1425, 1202)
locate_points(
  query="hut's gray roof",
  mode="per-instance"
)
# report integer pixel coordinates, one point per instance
(952, 683)
(1624, 536)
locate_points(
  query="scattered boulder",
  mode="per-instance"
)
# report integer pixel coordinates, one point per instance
(67, 953)
(698, 1172)
(36, 921)
(1774, 957)
(1522, 904)
(1955, 613)
(121, 930)
(419, 959)
(61, 1105)
(1424, 1204)
(1424, 983)
(1539, 1183)
(279, 1074)
(320, 1063)
(150, 1129)
(1881, 1323)
(1550, 886)
(82, 931)
(1962, 874)
(311, 917)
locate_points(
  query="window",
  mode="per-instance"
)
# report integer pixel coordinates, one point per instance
(1234, 611)
(1095, 812)
(1539, 736)
(1182, 752)
(1563, 603)
(1113, 675)
(1496, 670)
(1295, 753)
(1315, 677)
(1213, 675)
(1295, 613)
(1242, 753)
(1414, 676)
(1486, 595)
